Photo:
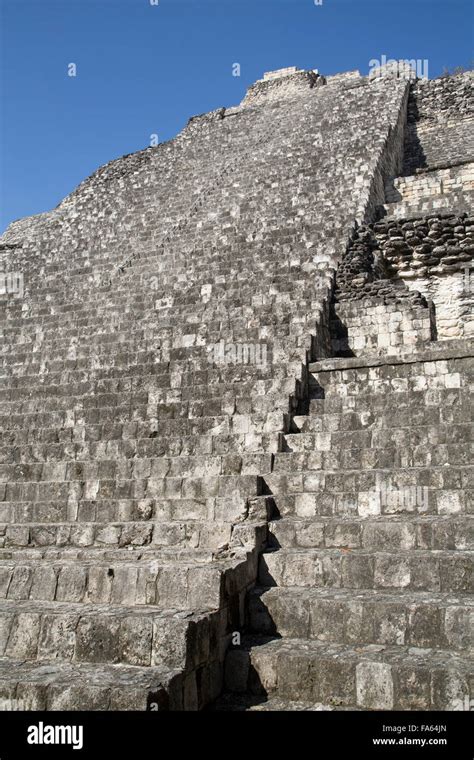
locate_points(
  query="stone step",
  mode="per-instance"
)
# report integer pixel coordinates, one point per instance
(136, 468)
(455, 202)
(128, 581)
(160, 445)
(231, 702)
(99, 633)
(126, 375)
(224, 509)
(436, 425)
(420, 570)
(212, 535)
(48, 361)
(21, 366)
(124, 369)
(418, 619)
(401, 385)
(145, 384)
(211, 407)
(32, 332)
(284, 290)
(29, 336)
(406, 395)
(138, 339)
(73, 686)
(172, 401)
(417, 405)
(399, 360)
(326, 451)
(59, 360)
(36, 327)
(383, 438)
(386, 532)
(422, 490)
(153, 379)
(374, 677)
(68, 430)
(60, 426)
(449, 348)
(239, 486)
(132, 553)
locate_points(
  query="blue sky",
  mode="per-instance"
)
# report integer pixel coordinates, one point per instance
(143, 69)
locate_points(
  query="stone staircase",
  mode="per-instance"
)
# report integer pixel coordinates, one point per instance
(362, 599)
(364, 594)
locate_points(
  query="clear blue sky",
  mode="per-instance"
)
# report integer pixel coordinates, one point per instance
(144, 69)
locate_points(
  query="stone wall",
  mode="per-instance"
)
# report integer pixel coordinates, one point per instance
(438, 190)
(440, 123)
(373, 327)
(282, 83)
(373, 311)
(396, 260)
(434, 255)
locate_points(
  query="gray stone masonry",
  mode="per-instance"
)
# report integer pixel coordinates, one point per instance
(174, 467)
(440, 123)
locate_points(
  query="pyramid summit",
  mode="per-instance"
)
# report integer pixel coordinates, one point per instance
(235, 412)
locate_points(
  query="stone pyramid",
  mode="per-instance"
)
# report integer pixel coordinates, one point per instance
(236, 461)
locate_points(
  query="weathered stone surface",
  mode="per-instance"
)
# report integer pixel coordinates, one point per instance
(440, 118)
(168, 440)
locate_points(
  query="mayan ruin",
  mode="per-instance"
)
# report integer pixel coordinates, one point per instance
(236, 452)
